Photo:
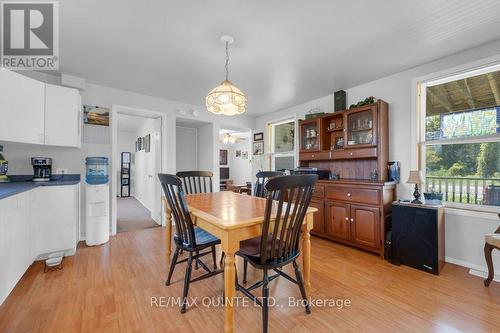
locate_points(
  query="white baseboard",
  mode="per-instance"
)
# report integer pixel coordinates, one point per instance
(476, 270)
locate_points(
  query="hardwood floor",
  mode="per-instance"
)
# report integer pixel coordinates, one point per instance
(109, 289)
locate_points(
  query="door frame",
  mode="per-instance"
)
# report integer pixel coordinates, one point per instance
(113, 122)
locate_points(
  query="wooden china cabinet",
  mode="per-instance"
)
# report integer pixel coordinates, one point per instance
(355, 209)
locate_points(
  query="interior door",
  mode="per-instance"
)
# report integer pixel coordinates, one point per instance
(365, 225)
(22, 108)
(337, 220)
(318, 223)
(153, 186)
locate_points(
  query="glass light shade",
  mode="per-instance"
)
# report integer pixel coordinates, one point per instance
(415, 177)
(226, 99)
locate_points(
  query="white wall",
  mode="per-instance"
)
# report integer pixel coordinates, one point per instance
(464, 234)
(186, 148)
(240, 170)
(147, 166)
(126, 143)
(97, 138)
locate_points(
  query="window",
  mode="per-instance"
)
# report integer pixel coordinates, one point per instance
(461, 131)
(283, 145)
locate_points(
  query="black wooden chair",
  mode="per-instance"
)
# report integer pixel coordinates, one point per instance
(492, 241)
(187, 238)
(260, 191)
(279, 244)
(196, 181)
(262, 178)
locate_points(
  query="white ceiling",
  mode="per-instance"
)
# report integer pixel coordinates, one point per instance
(286, 52)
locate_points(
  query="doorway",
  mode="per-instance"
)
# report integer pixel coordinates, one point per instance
(138, 143)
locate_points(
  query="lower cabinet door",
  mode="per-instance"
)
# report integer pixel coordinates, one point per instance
(58, 218)
(318, 224)
(365, 225)
(337, 220)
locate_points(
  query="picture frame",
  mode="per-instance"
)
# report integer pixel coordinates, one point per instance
(258, 148)
(140, 142)
(223, 157)
(258, 136)
(244, 155)
(238, 153)
(95, 115)
(147, 143)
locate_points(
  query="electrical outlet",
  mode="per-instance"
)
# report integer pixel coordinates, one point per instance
(62, 171)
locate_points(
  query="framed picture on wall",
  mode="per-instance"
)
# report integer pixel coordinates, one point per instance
(244, 155)
(258, 148)
(140, 143)
(238, 153)
(222, 157)
(258, 136)
(147, 143)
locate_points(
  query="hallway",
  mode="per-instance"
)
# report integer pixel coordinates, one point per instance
(132, 215)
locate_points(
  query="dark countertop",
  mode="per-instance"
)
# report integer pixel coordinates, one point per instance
(23, 183)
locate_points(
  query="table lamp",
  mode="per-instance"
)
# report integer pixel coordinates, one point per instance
(415, 178)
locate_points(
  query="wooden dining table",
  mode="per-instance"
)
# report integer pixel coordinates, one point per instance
(234, 217)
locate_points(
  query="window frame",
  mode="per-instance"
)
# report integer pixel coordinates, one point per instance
(293, 152)
(422, 143)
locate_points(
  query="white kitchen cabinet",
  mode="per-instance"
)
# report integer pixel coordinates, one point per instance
(32, 224)
(22, 105)
(15, 256)
(57, 219)
(63, 118)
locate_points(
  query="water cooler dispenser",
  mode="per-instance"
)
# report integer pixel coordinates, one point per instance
(97, 201)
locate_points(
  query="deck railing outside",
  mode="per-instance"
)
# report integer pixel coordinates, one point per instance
(468, 190)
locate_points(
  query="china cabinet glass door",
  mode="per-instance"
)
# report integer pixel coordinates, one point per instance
(310, 136)
(361, 128)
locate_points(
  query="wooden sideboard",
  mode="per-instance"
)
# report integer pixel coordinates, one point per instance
(353, 212)
(356, 209)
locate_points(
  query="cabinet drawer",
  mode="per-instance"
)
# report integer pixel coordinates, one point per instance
(319, 191)
(362, 195)
(319, 155)
(354, 153)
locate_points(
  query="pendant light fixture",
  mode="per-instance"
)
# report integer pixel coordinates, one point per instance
(226, 99)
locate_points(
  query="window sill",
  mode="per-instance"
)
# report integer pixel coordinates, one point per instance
(477, 211)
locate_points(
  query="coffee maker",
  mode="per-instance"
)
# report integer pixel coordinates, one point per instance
(42, 169)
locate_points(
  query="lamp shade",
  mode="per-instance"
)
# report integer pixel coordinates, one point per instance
(415, 177)
(226, 99)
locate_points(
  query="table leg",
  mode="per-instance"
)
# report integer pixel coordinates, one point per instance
(306, 255)
(168, 236)
(229, 291)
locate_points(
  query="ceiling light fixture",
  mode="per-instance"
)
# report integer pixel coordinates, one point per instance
(228, 139)
(226, 99)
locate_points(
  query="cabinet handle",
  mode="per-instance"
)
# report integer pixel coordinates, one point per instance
(349, 195)
(350, 154)
(346, 218)
(312, 155)
(352, 220)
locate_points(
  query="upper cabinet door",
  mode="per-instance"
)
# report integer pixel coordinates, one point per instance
(361, 128)
(21, 108)
(62, 116)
